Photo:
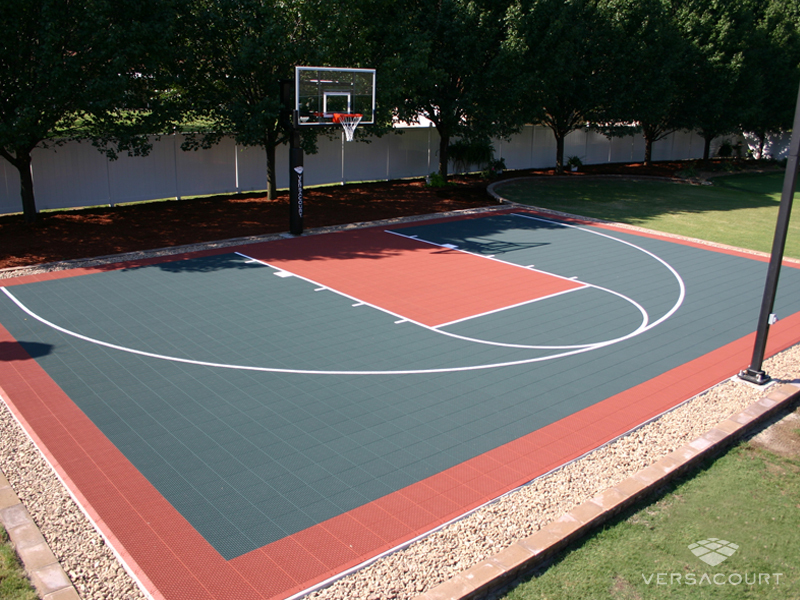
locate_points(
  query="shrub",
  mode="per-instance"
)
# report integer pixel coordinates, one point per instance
(465, 153)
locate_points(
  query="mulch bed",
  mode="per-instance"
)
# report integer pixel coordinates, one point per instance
(86, 233)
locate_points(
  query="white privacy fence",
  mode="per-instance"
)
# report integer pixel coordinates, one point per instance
(76, 174)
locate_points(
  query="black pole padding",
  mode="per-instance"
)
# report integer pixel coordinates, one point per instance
(295, 183)
(754, 373)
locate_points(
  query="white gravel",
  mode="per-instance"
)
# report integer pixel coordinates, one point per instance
(97, 575)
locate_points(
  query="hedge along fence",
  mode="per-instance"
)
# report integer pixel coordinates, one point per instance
(76, 174)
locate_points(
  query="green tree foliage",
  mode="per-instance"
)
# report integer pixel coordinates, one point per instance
(644, 70)
(720, 90)
(238, 52)
(93, 62)
(456, 79)
(560, 49)
(773, 59)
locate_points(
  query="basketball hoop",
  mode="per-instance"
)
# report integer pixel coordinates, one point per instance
(349, 123)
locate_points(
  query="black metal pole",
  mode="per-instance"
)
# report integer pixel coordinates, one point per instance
(295, 182)
(754, 373)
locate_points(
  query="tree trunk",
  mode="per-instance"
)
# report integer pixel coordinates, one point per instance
(22, 162)
(559, 150)
(648, 151)
(272, 181)
(707, 147)
(270, 143)
(762, 140)
(444, 144)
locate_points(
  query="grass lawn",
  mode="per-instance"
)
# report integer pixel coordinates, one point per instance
(749, 497)
(14, 584)
(740, 210)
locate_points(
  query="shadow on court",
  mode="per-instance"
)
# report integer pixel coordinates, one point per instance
(11, 351)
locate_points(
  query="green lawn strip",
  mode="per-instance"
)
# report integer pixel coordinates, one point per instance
(749, 497)
(14, 584)
(739, 210)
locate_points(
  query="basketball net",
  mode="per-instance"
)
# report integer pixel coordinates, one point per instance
(349, 122)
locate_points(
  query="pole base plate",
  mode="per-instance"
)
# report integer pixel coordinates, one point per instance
(753, 376)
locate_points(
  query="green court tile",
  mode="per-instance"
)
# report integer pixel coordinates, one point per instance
(381, 432)
(374, 488)
(348, 497)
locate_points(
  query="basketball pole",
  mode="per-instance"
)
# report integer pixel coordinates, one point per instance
(295, 179)
(754, 373)
(291, 124)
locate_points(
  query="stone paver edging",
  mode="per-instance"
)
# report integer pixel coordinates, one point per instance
(526, 554)
(44, 570)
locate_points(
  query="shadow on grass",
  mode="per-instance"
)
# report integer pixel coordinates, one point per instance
(630, 201)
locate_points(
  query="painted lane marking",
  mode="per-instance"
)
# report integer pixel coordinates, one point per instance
(569, 350)
(681, 284)
(203, 363)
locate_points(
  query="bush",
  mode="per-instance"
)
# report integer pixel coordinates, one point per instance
(495, 169)
(725, 149)
(435, 180)
(466, 153)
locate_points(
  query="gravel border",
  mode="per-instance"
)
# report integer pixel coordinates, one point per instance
(98, 575)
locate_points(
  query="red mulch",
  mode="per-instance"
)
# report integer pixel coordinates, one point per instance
(95, 232)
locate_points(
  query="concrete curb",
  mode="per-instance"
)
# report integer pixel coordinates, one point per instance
(527, 554)
(44, 570)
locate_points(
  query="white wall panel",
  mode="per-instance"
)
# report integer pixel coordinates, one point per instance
(409, 152)
(204, 172)
(326, 165)
(516, 152)
(365, 161)
(543, 151)
(621, 149)
(136, 178)
(76, 174)
(10, 199)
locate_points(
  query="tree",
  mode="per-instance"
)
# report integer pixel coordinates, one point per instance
(774, 62)
(455, 80)
(558, 48)
(720, 91)
(239, 51)
(93, 64)
(644, 70)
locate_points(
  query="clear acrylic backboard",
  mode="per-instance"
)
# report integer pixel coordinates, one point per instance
(321, 93)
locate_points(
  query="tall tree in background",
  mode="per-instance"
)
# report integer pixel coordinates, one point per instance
(96, 63)
(239, 51)
(644, 72)
(455, 81)
(720, 90)
(559, 48)
(773, 59)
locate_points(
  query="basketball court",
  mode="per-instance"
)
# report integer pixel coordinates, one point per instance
(250, 422)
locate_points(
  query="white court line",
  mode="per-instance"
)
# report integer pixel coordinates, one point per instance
(483, 256)
(510, 306)
(681, 285)
(569, 350)
(203, 363)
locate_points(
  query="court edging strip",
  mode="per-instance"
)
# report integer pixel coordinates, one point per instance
(525, 555)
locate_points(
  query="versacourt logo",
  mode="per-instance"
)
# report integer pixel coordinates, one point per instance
(713, 551)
